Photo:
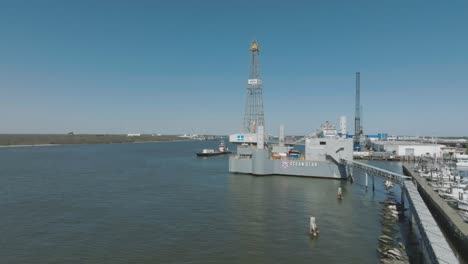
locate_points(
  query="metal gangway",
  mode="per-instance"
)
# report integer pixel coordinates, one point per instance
(433, 241)
(372, 170)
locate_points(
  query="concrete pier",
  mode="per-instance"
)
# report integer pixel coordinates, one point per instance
(447, 217)
(432, 242)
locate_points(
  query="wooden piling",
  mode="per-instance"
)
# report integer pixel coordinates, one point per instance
(313, 230)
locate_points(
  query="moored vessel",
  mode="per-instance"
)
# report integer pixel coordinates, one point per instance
(322, 157)
(222, 149)
(462, 161)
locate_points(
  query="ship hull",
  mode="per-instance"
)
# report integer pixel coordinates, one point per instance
(201, 154)
(261, 164)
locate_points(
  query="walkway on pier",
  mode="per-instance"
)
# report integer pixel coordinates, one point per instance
(437, 247)
(439, 250)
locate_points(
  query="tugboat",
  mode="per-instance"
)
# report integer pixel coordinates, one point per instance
(222, 149)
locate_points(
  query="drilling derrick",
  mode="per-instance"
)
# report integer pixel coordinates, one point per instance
(254, 116)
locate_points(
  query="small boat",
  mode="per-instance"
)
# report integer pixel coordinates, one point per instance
(464, 215)
(222, 149)
(462, 205)
(462, 161)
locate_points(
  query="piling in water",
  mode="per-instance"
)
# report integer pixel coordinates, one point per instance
(313, 229)
(340, 194)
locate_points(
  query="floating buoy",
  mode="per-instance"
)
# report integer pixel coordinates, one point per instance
(313, 229)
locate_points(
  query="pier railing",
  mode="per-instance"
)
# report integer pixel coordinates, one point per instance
(372, 170)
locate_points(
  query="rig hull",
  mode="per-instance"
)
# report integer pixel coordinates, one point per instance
(260, 164)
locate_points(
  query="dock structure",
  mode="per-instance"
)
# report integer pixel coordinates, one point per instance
(434, 245)
(433, 240)
(446, 216)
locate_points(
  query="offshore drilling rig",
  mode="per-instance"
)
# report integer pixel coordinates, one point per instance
(323, 151)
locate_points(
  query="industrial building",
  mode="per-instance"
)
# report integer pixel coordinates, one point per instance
(379, 136)
(453, 151)
(407, 148)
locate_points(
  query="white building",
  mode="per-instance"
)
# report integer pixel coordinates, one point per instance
(407, 148)
(453, 151)
(343, 128)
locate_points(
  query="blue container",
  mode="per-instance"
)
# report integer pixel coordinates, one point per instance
(294, 156)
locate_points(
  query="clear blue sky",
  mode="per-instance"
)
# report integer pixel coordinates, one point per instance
(173, 66)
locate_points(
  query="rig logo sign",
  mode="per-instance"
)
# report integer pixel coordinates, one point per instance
(285, 164)
(303, 164)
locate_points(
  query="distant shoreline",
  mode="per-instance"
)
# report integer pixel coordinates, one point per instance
(49, 145)
(43, 140)
(160, 141)
(23, 146)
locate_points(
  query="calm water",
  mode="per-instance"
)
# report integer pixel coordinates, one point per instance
(159, 203)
